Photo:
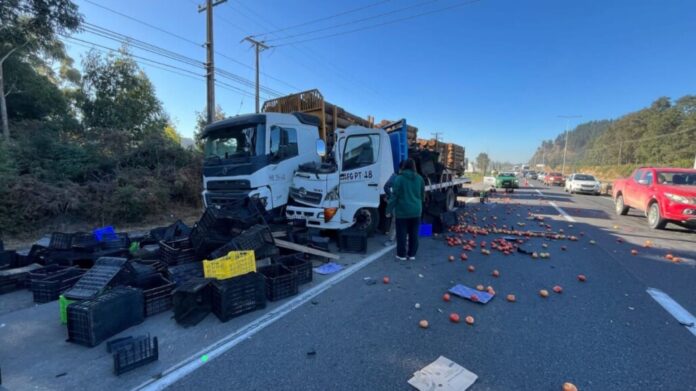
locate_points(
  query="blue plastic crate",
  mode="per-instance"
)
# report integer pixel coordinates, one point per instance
(105, 234)
(425, 230)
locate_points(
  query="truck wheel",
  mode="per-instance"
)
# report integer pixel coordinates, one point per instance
(450, 200)
(655, 221)
(621, 209)
(366, 219)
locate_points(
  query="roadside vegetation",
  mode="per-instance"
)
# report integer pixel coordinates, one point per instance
(663, 134)
(90, 145)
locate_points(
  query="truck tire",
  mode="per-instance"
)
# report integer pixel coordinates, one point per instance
(655, 220)
(620, 208)
(366, 220)
(451, 200)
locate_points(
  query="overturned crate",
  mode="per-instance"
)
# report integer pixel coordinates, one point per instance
(237, 296)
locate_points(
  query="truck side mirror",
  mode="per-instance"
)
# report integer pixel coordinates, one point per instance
(321, 147)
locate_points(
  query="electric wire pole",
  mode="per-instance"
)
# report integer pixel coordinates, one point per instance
(210, 63)
(565, 148)
(259, 47)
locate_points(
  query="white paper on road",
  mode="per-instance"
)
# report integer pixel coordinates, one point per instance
(443, 374)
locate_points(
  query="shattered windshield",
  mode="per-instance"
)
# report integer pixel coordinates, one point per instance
(235, 142)
(676, 178)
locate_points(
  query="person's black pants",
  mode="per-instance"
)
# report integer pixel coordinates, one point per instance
(407, 230)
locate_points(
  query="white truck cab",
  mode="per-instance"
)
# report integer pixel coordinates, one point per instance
(347, 191)
(256, 155)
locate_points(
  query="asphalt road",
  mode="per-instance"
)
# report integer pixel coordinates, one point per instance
(603, 334)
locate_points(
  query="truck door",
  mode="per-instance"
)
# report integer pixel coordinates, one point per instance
(284, 160)
(360, 173)
(645, 190)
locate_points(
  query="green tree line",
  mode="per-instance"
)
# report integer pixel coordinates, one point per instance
(662, 134)
(93, 144)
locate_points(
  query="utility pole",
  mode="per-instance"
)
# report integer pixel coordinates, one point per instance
(210, 63)
(565, 148)
(259, 46)
(620, 148)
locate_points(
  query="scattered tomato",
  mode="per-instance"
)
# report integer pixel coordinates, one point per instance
(471, 268)
(474, 298)
(582, 278)
(469, 320)
(451, 258)
(454, 317)
(544, 293)
(569, 387)
(634, 252)
(558, 289)
(464, 257)
(423, 324)
(511, 298)
(446, 297)
(385, 280)
(479, 287)
(495, 273)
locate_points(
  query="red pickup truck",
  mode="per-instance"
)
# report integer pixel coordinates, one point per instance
(664, 194)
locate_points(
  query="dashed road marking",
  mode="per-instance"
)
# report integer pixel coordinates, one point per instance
(679, 313)
(558, 208)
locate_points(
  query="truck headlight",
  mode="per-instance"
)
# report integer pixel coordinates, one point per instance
(332, 195)
(680, 199)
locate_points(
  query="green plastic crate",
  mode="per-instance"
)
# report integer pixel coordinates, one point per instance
(64, 308)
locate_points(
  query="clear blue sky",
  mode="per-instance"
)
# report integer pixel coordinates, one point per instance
(492, 76)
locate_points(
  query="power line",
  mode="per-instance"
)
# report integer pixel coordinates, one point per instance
(198, 45)
(379, 24)
(155, 64)
(122, 38)
(352, 22)
(325, 18)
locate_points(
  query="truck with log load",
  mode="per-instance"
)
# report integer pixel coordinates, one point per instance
(307, 159)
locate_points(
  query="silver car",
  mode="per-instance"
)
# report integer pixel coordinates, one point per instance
(582, 183)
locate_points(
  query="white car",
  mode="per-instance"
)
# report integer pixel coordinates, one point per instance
(582, 183)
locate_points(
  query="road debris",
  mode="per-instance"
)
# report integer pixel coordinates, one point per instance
(443, 375)
(423, 324)
(471, 294)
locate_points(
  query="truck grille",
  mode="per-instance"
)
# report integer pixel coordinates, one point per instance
(224, 198)
(303, 195)
(228, 185)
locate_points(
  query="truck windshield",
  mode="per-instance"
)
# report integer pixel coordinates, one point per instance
(235, 142)
(687, 178)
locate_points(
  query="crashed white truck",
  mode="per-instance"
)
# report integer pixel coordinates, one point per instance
(347, 189)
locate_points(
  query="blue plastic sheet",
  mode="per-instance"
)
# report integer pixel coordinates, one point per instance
(328, 268)
(466, 292)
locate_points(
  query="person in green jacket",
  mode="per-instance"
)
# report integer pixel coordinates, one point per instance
(406, 203)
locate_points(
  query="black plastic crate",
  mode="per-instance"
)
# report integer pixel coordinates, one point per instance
(158, 293)
(204, 240)
(8, 258)
(281, 282)
(352, 241)
(181, 273)
(120, 241)
(106, 271)
(257, 238)
(43, 272)
(177, 252)
(192, 301)
(135, 353)
(238, 295)
(36, 254)
(15, 278)
(60, 241)
(50, 288)
(449, 219)
(156, 264)
(92, 321)
(84, 241)
(299, 264)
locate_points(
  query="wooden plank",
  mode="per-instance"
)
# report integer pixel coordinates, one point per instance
(305, 249)
(279, 234)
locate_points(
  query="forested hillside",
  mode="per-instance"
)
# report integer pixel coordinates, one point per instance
(662, 134)
(90, 143)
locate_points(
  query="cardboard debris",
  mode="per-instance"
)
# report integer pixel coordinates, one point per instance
(466, 292)
(443, 374)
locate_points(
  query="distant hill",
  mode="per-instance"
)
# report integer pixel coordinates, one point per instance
(662, 134)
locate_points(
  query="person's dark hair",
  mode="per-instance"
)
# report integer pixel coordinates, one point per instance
(410, 164)
(402, 165)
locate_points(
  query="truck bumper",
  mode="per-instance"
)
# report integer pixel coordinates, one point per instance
(686, 214)
(314, 217)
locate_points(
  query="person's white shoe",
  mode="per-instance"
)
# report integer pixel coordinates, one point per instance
(411, 258)
(398, 258)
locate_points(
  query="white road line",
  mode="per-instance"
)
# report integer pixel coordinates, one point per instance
(187, 366)
(559, 209)
(680, 313)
